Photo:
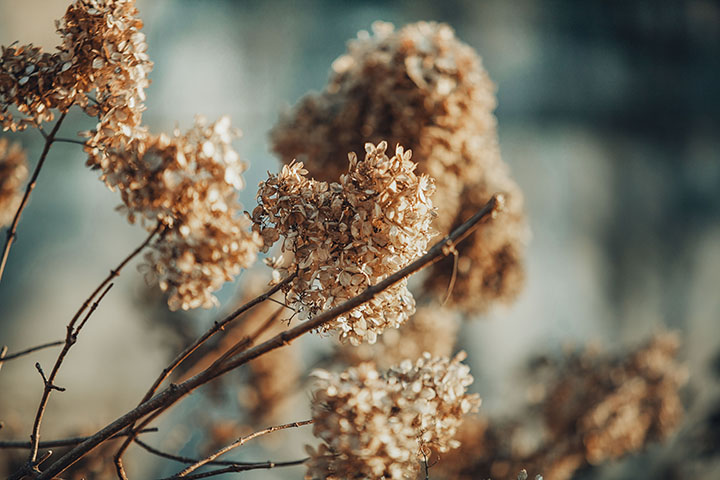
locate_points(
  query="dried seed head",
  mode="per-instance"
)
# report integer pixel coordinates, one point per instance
(376, 425)
(422, 88)
(343, 237)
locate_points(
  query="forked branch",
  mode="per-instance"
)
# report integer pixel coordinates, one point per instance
(175, 392)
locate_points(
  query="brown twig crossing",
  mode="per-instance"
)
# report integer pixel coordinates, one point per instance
(30, 350)
(165, 399)
(237, 443)
(12, 230)
(72, 332)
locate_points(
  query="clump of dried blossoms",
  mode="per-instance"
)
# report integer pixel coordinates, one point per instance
(432, 329)
(595, 408)
(422, 88)
(13, 173)
(343, 237)
(187, 182)
(103, 50)
(26, 83)
(377, 425)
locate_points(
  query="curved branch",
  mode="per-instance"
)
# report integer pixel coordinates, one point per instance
(30, 350)
(175, 392)
(237, 443)
(64, 442)
(12, 230)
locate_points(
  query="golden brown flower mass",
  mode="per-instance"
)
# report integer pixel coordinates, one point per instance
(343, 237)
(377, 425)
(422, 88)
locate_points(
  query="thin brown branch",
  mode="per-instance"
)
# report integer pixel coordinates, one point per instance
(30, 350)
(180, 459)
(244, 468)
(175, 392)
(217, 326)
(237, 443)
(70, 140)
(64, 442)
(70, 339)
(12, 230)
(167, 371)
(247, 341)
(114, 273)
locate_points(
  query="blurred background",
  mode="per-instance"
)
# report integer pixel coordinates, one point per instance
(608, 114)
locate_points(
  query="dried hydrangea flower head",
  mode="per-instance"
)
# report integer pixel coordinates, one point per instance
(377, 425)
(187, 182)
(13, 173)
(422, 88)
(26, 83)
(343, 237)
(104, 50)
(594, 408)
(431, 329)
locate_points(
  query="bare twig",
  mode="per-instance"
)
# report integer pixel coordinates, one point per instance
(180, 459)
(65, 442)
(175, 392)
(243, 468)
(70, 339)
(237, 443)
(114, 273)
(217, 326)
(71, 140)
(30, 350)
(247, 341)
(12, 230)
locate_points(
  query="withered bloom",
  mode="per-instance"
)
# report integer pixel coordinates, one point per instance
(377, 425)
(595, 408)
(431, 329)
(13, 173)
(422, 88)
(188, 183)
(343, 237)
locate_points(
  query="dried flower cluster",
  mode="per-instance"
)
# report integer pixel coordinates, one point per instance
(422, 88)
(432, 329)
(13, 173)
(595, 409)
(343, 237)
(188, 183)
(102, 50)
(378, 426)
(185, 182)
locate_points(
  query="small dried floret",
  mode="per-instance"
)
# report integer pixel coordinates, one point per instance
(424, 89)
(343, 237)
(377, 425)
(13, 173)
(432, 329)
(187, 182)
